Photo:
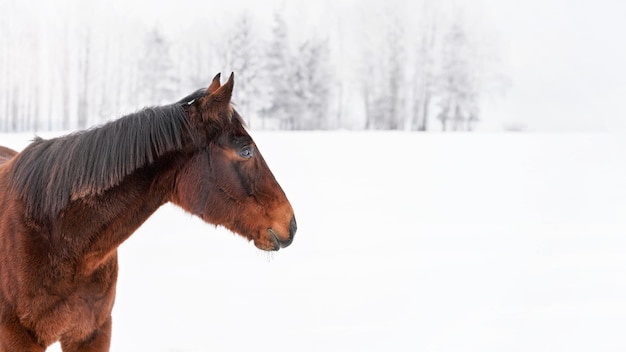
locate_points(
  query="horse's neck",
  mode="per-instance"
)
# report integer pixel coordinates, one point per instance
(96, 225)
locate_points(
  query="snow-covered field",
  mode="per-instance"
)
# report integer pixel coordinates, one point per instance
(406, 242)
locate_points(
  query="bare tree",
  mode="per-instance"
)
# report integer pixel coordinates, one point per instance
(384, 75)
(64, 78)
(84, 76)
(424, 73)
(396, 62)
(457, 89)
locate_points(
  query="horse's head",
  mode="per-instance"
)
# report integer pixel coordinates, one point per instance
(226, 180)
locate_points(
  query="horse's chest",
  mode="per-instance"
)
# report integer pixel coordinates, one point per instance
(73, 307)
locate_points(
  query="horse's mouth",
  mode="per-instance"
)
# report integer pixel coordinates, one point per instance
(278, 244)
(275, 242)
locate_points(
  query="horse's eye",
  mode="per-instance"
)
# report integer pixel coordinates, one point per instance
(246, 152)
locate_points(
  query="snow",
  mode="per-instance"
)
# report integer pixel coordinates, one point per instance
(406, 242)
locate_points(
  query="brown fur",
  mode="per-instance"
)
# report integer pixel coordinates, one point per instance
(58, 261)
(6, 154)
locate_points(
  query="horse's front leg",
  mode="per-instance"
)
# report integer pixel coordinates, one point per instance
(99, 341)
(15, 338)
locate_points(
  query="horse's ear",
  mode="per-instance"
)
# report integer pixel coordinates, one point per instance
(223, 94)
(215, 84)
(218, 97)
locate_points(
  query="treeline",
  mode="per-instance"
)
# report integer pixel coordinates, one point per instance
(84, 63)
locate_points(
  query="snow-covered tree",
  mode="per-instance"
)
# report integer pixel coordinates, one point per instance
(311, 85)
(456, 83)
(243, 57)
(423, 76)
(383, 74)
(279, 71)
(157, 80)
(403, 60)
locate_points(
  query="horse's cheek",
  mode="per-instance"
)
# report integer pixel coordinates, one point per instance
(191, 189)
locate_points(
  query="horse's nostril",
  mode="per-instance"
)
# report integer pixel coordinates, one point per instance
(293, 227)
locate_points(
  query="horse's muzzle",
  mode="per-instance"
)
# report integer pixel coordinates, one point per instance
(278, 242)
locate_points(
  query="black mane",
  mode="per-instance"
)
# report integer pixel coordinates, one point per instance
(193, 96)
(51, 173)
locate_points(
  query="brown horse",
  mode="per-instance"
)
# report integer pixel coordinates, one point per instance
(6, 154)
(66, 204)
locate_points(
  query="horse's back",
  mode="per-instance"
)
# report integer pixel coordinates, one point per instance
(6, 154)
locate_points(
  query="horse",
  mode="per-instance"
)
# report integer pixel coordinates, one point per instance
(6, 154)
(66, 204)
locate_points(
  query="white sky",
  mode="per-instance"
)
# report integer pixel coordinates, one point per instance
(566, 61)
